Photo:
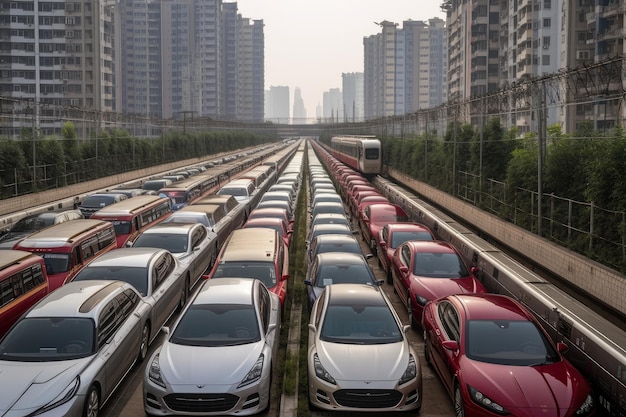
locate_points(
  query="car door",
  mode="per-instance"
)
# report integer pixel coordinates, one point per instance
(402, 272)
(202, 247)
(447, 328)
(167, 287)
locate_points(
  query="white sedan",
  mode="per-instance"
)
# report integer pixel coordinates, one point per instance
(219, 356)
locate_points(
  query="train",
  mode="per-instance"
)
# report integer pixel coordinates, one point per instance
(597, 347)
(361, 153)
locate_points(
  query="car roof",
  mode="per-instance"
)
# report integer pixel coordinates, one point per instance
(354, 294)
(173, 228)
(406, 226)
(76, 299)
(340, 257)
(431, 246)
(226, 291)
(131, 257)
(200, 208)
(489, 306)
(337, 239)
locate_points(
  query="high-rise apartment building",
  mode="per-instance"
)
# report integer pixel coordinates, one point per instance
(332, 105)
(352, 89)
(404, 68)
(249, 70)
(60, 54)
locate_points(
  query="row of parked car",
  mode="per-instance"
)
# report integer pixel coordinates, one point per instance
(92, 329)
(491, 354)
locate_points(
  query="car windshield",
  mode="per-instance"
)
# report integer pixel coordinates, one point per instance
(180, 217)
(385, 218)
(173, 242)
(439, 265)
(217, 325)
(177, 197)
(43, 339)
(122, 227)
(504, 342)
(98, 201)
(360, 325)
(32, 224)
(330, 220)
(135, 276)
(234, 191)
(263, 271)
(55, 262)
(398, 238)
(338, 273)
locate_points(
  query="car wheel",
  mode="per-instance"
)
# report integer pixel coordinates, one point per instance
(145, 342)
(459, 410)
(184, 295)
(92, 402)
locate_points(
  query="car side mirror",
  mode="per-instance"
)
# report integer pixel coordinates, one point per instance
(369, 256)
(404, 269)
(271, 327)
(312, 328)
(206, 276)
(286, 276)
(165, 330)
(406, 328)
(562, 347)
(383, 244)
(474, 270)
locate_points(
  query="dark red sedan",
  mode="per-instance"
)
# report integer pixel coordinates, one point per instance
(375, 216)
(393, 235)
(494, 359)
(425, 270)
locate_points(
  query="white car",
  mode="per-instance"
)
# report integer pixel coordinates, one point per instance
(359, 357)
(192, 243)
(219, 356)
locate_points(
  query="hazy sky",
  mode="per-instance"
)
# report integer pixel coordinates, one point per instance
(310, 43)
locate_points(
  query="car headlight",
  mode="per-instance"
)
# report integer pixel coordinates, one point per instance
(65, 395)
(410, 372)
(485, 402)
(254, 374)
(154, 371)
(420, 300)
(320, 372)
(586, 407)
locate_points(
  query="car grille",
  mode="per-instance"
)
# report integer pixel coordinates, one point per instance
(367, 398)
(201, 403)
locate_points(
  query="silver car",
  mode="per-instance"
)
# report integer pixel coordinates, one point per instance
(192, 243)
(163, 282)
(69, 352)
(359, 357)
(219, 357)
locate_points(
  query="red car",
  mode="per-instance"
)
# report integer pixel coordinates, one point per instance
(368, 200)
(375, 216)
(424, 270)
(272, 223)
(393, 235)
(494, 359)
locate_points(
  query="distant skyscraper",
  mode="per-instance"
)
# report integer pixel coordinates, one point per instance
(299, 111)
(332, 105)
(278, 111)
(352, 96)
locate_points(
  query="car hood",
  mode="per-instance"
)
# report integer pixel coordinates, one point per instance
(345, 361)
(433, 288)
(547, 388)
(192, 365)
(34, 384)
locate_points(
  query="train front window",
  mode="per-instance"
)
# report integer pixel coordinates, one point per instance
(371, 153)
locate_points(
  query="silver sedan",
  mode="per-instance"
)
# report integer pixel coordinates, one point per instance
(219, 357)
(67, 355)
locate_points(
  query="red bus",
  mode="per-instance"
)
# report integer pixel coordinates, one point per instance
(23, 282)
(67, 247)
(129, 217)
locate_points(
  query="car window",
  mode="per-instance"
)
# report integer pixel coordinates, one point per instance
(163, 269)
(405, 255)
(449, 321)
(263, 271)
(398, 238)
(48, 339)
(217, 325)
(265, 307)
(338, 273)
(135, 276)
(439, 265)
(362, 324)
(107, 322)
(173, 242)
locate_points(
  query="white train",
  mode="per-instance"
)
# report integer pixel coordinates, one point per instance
(362, 153)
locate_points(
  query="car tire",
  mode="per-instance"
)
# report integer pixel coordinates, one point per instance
(92, 402)
(144, 343)
(459, 410)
